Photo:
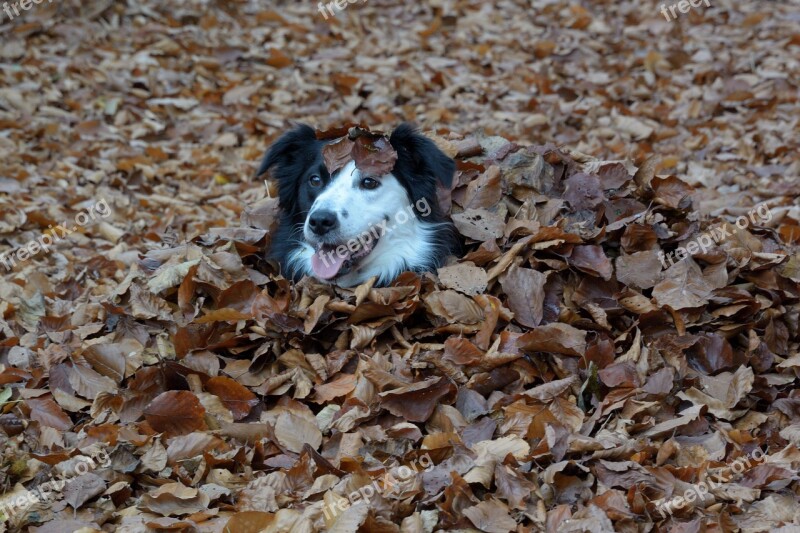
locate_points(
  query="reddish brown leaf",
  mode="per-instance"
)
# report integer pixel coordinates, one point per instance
(234, 396)
(175, 413)
(417, 401)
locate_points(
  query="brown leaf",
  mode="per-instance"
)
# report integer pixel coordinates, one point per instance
(640, 270)
(416, 402)
(513, 487)
(249, 522)
(464, 277)
(223, 315)
(175, 413)
(337, 154)
(554, 338)
(672, 192)
(491, 516)
(525, 290)
(83, 488)
(88, 383)
(646, 172)
(293, 431)
(342, 385)
(479, 224)
(174, 499)
(110, 359)
(592, 260)
(461, 352)
(453, 307)
(278, 59)
(583, 191)
(234, 396)
(374, 156)
(683, 286)
(48, 413)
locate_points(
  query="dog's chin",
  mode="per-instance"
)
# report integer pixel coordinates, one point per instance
(334, 259)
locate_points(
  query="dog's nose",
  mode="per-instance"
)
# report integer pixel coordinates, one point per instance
(322, 222)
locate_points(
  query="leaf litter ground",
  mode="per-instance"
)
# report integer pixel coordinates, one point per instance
(560, 376)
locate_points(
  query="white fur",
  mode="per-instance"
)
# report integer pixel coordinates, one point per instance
(405, 242)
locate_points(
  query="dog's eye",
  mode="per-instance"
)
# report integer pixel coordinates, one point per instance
(369, 183)
(315, 181)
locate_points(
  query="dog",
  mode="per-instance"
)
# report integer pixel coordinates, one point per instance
(348, 226)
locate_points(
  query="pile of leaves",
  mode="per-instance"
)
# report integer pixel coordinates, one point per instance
(555, 376)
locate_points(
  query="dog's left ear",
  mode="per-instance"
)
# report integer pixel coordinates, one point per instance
(288, 158)
(421, 162)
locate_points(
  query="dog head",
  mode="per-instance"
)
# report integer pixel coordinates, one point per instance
(345, 215)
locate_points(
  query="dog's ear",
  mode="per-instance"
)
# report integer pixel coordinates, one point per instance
(421, 165)
(287, 149)
(291, 154)
(425, 158)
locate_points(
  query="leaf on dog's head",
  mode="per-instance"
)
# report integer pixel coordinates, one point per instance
(374, 155)
(371, 150)
(337, 154)
(338, 131)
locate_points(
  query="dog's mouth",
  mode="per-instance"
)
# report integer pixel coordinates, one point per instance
(330, 261)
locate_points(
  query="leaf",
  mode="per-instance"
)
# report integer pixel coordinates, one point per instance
(174, 499)
(491, 516)
(640, 270)
(170, 275)
(417, 401)
(248, 522)
(110, 359)
(479, 224)
(48, 413)
(454, 307)
(592, 260)
(293, 432)
(342, 385)
(645, 174)
(234, 396)
(683, 286)
(223, 315)
(175, 413)
(525, 290)
(89, 383)
(83, 488)
(464, 277)
(374, 156)
(337, 154)
(5, 395)
(554, 338)
(583, 191)
(672, 192)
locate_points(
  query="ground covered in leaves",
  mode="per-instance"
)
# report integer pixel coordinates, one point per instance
(560, 376)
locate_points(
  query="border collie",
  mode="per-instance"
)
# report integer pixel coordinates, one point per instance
(349, 225)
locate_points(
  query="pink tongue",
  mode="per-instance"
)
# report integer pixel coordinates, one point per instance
(327, 263)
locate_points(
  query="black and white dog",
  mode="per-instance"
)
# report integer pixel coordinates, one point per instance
(348, 226)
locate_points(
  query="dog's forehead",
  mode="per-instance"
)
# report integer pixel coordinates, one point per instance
(348, 171)
(351, 172)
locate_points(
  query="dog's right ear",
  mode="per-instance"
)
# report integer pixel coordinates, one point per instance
(290, 155)
(285, 151)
